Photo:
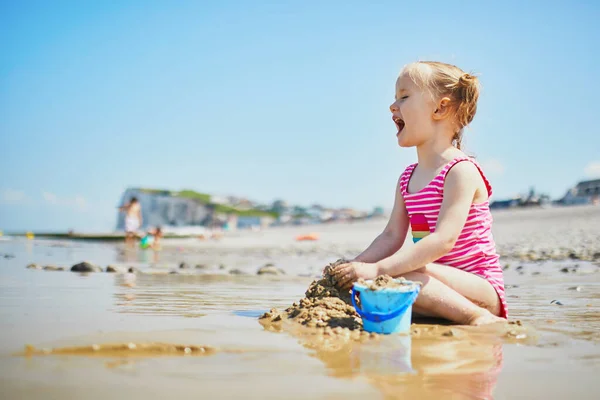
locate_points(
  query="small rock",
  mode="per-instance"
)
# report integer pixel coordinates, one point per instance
(85, 267)
(53, 268)
(449, 333)
(536, 273)
(34, 266)
(173, 272)
(557, 302)
(519, 268)
(133, 270)
(201, 266)
(575, 288)
(565, 270)
(270, 269)
(237, 272)
(183, 265)
(9, 256)
(114, 269)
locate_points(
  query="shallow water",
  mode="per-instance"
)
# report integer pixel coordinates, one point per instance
(559, 357)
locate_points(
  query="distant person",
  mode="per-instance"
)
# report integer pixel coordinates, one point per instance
(133, 218)
(152, 239)
(444, 199)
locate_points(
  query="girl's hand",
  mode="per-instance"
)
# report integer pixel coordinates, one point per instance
(346, 274)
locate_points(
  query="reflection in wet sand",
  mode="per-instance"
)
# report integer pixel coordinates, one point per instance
(414, 367)
(435, 360)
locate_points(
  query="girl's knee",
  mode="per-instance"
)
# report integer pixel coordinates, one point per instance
(417, 276)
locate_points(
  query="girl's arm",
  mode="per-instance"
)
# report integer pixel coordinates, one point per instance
(392, 237)
(459, 191)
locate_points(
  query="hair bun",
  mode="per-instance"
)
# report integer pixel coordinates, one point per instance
(466, 79)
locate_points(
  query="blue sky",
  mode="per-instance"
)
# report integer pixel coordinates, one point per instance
(276, 99)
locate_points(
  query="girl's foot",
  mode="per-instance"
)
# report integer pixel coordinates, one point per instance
(485, 319)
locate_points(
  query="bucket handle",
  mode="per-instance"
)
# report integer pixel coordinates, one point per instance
(379, 316)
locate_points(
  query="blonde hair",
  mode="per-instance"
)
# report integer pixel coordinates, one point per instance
(447, 80)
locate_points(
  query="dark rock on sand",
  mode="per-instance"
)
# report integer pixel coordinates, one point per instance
(184, 265)
(566, 270)
(575, 288)
(9, 256)
(201, 266)
(115, 269)
(270, 269)
(53, 268)
(34, 266)
(222, 266)
(133, 270)
(85, 267)
(557, 302)
(237, 272)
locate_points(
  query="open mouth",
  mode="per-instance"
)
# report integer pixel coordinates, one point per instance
(399, 124)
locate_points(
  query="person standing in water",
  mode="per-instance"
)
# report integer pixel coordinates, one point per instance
(444, 199)
(133, 219)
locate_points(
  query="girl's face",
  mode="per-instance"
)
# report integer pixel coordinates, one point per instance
(412, 113)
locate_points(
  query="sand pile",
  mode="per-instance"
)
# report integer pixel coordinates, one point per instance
(386, 282)
(323, 307)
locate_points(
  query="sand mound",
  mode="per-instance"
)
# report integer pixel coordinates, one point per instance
(323, 307)
(386, 282)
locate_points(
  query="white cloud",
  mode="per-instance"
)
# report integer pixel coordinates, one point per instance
(81, 203)
(12, 196)
(592, 170)
(50, 197)
(78, 202)
(493, 167)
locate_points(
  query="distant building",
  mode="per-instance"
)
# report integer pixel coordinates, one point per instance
(189, 209)
(585, 192)
(165, 209)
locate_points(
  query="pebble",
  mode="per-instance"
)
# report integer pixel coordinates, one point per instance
(237, 272)
(557, 302)
(575, 288)
(270, 269)
(183, 265)
(53, 268)
(34, 266)
(85, 267)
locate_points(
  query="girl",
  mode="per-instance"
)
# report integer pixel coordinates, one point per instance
(444, 198)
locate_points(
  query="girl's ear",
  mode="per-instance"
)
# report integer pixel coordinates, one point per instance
(443, 108)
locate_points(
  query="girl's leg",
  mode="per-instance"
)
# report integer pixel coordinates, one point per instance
(463, 298)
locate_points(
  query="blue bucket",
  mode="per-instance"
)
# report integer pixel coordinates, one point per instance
(387, 310)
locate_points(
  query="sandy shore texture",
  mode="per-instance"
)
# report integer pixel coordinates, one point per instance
(185, 322)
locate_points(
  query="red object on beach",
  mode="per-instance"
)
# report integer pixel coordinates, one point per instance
(310, 236)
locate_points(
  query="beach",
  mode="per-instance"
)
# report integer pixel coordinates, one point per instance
(184, 321)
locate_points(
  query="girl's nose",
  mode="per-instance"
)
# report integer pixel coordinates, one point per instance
(393, 107)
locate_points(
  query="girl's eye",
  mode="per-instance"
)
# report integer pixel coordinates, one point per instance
(403, 97)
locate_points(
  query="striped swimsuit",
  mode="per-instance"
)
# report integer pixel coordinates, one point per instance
(475, 250)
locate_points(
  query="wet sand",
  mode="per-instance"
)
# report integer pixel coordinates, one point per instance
(133, 322)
